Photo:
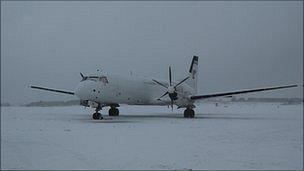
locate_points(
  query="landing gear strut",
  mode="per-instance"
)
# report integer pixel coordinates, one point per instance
(189, 113)
(113, 111)
(97, 115)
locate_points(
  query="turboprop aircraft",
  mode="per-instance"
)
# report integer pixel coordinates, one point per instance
(100, 90)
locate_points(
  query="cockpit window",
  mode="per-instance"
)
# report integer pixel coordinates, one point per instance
(103, 79)
(93, 77)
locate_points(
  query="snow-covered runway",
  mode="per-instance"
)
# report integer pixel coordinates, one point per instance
(228, 136)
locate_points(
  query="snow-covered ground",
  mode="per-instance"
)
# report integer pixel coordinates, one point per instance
(229, 136)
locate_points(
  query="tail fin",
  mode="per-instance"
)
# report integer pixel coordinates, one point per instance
(192, 81)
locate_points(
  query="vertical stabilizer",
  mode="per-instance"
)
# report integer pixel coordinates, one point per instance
(192, 81)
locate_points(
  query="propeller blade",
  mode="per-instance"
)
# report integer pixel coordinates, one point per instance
(172, 105)
(163, 95)
(181, 82)
(170, 76)
(159, 83)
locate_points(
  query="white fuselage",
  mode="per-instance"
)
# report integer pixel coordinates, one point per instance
(132, 90)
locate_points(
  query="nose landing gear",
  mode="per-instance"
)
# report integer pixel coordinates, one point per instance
(189, 113)
(113, 111)
(97, 115)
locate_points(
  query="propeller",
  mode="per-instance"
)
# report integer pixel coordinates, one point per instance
(171, 90)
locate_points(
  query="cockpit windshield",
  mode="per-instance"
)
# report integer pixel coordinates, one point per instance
(96, 78)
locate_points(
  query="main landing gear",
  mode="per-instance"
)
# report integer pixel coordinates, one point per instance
(97, 115)
(113, 111)
(189, 113)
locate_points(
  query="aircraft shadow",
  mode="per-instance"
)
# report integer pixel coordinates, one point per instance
(135, 118)
(111, 121)
(197, 116)
(139, 118)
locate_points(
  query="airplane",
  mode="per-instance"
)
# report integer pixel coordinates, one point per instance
(100, 90)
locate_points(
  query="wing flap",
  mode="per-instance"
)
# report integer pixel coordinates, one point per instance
(239, 92)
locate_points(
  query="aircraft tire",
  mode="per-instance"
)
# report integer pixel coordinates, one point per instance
(185, 114)
(97, 116)
(189, 113)
(113, 112)
(116, 112)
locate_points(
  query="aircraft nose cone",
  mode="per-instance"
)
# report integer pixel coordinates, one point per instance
(76, 91)
(80, 91)
(171, 89)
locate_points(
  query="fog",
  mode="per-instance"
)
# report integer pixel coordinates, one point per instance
(240, 44)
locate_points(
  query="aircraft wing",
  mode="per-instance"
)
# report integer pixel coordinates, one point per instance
(239, 92)
(54, 90)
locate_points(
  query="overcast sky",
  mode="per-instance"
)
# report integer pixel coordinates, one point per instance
(240, 44)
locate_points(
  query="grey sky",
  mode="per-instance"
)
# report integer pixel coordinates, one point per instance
(240, 44)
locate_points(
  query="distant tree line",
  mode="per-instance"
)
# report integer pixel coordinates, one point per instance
(233, 99)
(53, 103)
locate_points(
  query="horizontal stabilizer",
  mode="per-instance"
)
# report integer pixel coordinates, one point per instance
(53, 90)
(239, 92)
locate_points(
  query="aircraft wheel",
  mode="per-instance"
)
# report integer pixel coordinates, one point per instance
(189, 113)
(97, 116)
(186, 115)
(116, 112)
(113, 112)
